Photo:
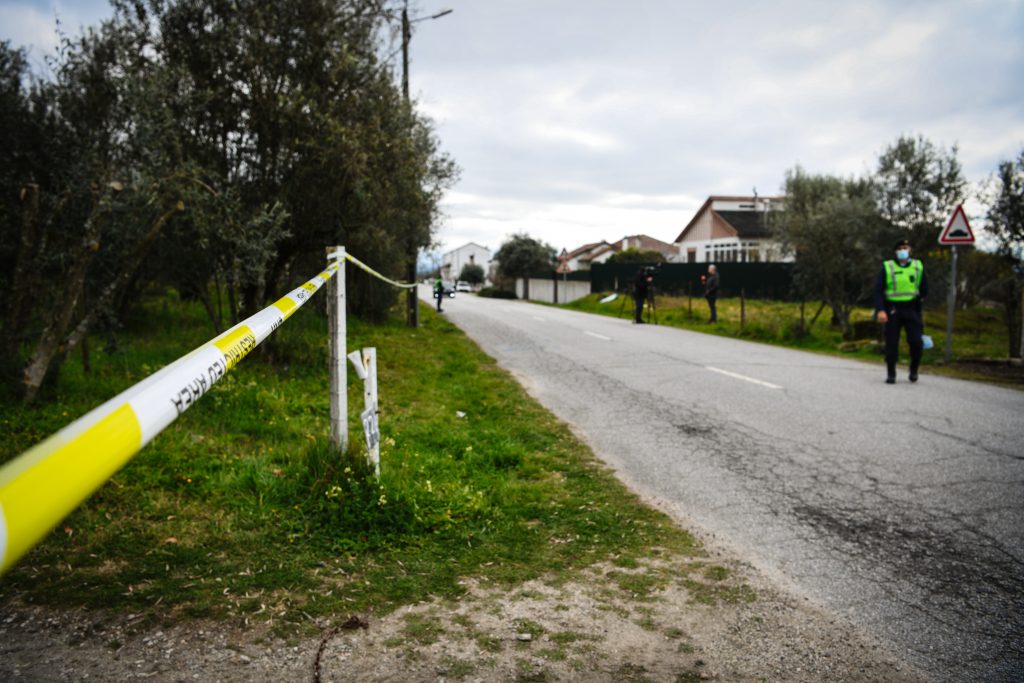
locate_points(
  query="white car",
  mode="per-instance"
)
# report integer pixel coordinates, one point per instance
(462, 286)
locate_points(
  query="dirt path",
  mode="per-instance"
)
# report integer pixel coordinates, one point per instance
(668, 620)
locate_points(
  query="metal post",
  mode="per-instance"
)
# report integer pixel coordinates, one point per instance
(950, 307)
(411, 299)
(406, 35)
(411, 304)
(336, 327)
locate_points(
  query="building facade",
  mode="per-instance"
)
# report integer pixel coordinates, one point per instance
(470, 253)
(729, 229)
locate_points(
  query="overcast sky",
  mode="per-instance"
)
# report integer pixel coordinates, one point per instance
(582, 120)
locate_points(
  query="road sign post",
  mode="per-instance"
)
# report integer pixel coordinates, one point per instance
(958, 231)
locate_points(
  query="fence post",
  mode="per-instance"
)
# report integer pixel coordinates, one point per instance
(370, 402)
(743, 308)
(336, 326)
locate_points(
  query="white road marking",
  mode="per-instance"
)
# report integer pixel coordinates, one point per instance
(743, 377)
(537, 317)
(599, 336)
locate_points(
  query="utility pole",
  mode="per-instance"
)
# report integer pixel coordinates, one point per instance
(411, 297)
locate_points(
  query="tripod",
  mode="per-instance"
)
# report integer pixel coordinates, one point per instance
(652, 305)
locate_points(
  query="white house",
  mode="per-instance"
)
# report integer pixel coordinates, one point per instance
(455, 260)
(579, 258)
(731, 229)
(583, 257)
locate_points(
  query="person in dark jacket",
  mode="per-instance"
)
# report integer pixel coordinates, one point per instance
(900, 286)
(641, 289)
(711, 291)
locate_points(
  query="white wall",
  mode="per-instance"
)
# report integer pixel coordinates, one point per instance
(458, 258)
(544, 290)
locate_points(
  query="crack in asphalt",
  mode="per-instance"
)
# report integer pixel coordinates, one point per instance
(968, 442)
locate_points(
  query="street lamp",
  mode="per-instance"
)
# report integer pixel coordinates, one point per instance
(411, 299)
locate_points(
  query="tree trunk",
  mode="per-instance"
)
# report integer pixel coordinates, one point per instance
(233, 302)
(21, 282)
(212, 312)
(114, 289)
(1015, 317)
(74, 281)
(251, 300)
(1020, 320)
(816, 315)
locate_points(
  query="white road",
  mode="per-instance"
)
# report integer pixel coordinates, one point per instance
(899, 508)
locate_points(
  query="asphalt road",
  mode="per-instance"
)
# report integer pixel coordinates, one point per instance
(899, 508)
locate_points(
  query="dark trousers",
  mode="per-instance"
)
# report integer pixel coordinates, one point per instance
(638, 311)
(438, 294)
(900, 319)
(711, 306)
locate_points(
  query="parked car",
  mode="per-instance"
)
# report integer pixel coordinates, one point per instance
(448, 292)
(463, 286)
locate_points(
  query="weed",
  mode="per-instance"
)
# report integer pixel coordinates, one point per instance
(709, 595)
(457, 668)
(553, 654)
(527, 626)
(489, 643)
(566, 637)
(716, 573)
(422, 628)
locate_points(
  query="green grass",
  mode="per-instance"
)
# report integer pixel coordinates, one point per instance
(979, 334)
(241, 510)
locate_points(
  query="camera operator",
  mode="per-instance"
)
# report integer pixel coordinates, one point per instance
(643, 290)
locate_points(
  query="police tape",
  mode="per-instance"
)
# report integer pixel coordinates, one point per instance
(371, 271)
(45, 483)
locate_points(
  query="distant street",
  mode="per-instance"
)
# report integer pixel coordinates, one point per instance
(899, 508)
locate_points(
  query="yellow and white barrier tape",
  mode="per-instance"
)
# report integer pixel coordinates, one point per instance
(356, 262)
(45, 483)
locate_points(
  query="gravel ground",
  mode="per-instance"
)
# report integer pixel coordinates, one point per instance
(671, 619)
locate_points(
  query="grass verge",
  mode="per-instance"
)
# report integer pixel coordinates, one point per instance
(979, 343)
(241, 510)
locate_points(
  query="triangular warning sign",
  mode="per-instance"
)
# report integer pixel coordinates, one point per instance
(958, 230)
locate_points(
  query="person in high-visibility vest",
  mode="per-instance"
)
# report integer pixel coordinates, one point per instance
(438, 292)
(900, 286)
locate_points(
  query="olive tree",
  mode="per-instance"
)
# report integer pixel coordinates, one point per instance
(833, 228)
(1006, 223)
(521, 255)
(919, 184)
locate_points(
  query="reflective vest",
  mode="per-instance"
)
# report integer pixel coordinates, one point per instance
(903, 283)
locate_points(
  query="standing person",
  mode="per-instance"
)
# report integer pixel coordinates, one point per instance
(438, 292)
(641, 285)
(899, 287)
(711, 291)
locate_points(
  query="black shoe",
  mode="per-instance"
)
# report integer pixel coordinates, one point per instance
(890, 380)
(913, 376)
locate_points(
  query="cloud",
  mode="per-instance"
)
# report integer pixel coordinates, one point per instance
(30, 27)
(591, 140)
(591, 119)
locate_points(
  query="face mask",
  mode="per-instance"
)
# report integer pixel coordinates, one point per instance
(902, 254)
